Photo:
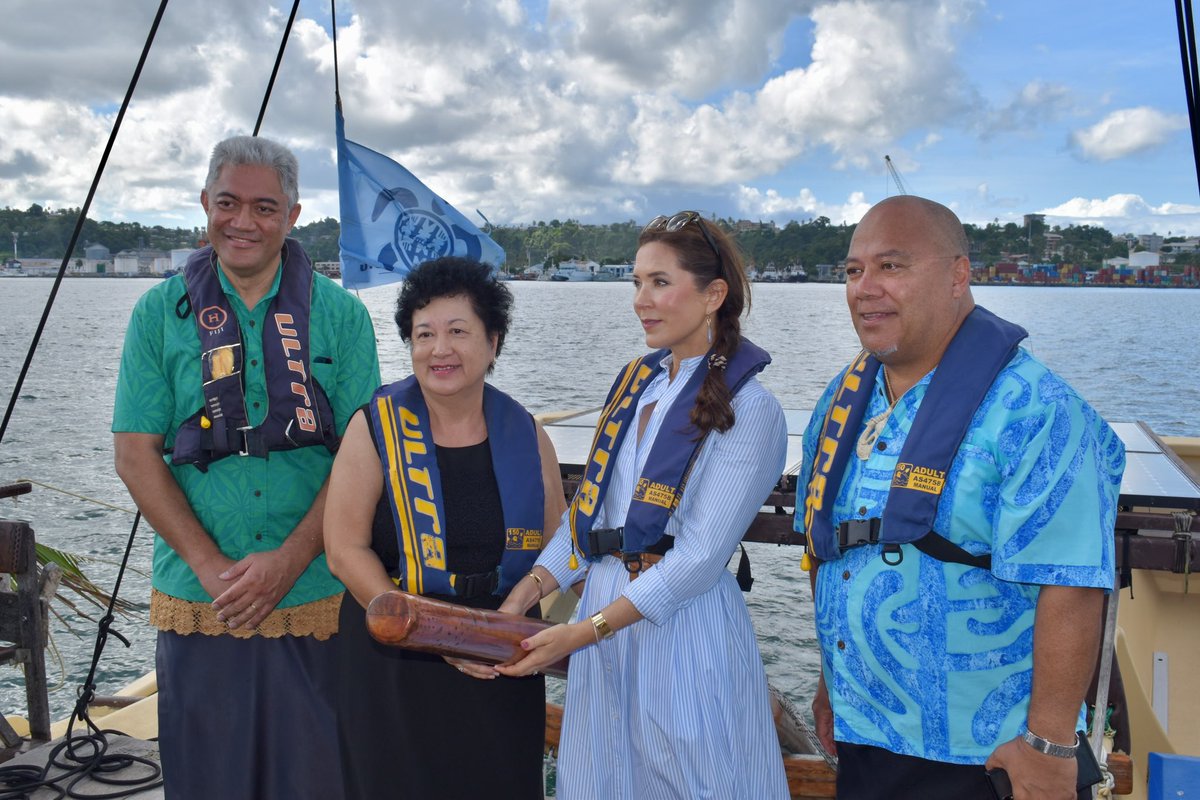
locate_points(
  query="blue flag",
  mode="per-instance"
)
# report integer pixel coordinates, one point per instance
(391, 222)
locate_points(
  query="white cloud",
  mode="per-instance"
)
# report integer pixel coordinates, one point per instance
(771, 204)
(1035, 104)
(1127, 213)
(599, 111)
(1125, 132)
(685, 47)
(875, 75)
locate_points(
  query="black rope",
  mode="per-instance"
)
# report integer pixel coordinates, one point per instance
(262, 112)
(87, 204)
(85, 756)
(337, 83)
(1191, 73)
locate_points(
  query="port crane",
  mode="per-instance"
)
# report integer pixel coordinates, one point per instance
(891, 168)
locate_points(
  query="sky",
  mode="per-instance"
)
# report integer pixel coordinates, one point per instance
(608, 111)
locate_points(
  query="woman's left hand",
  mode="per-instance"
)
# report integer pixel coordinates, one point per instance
(549, 646)
(476, 669)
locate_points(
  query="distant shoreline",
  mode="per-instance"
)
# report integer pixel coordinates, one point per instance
(1023, 285)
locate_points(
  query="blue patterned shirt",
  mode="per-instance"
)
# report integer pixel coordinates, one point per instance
(933, 659)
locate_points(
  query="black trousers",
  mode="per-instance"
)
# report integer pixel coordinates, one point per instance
(872, 773)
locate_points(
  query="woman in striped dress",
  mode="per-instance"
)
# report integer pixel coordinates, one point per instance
(666, 694)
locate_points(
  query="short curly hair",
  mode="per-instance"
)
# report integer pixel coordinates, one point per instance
(452, 276)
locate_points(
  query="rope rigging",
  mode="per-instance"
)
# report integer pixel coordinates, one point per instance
(1191, 73)
(87, 204)
(85, 755)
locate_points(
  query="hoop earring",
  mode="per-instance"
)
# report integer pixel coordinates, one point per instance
(708, 322)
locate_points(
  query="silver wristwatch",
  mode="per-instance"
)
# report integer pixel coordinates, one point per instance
(1048, 747)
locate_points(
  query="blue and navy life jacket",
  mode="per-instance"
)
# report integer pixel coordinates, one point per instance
(298, 411)
(404, 441)
(661, 484)
(982, 347)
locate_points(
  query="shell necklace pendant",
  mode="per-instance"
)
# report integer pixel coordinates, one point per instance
(874, 426)
(870, 434)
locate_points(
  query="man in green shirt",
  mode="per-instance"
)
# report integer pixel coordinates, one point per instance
(245, 369)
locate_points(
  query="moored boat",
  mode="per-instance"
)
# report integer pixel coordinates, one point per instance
(575, 271)
(769, 275)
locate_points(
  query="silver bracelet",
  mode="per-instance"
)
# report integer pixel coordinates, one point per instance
(1048, 747)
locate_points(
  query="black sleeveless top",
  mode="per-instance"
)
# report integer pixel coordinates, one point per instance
(474, 514)
(400, 708)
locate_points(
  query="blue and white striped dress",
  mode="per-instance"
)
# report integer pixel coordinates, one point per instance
(675, 705)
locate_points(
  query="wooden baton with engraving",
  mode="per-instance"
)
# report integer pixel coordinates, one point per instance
(433, 626)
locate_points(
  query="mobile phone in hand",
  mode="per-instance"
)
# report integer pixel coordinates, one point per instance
(1087, 772)
(999, 783)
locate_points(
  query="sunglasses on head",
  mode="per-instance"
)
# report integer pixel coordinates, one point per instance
(680, 220)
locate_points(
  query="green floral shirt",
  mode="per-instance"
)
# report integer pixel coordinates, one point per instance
(248, 504)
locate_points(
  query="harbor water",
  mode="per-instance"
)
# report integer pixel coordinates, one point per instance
(1131, 352)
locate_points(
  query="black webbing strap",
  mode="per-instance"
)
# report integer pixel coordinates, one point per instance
(855, 532)
(941, 548)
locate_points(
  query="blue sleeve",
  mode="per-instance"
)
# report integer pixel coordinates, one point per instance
(737, 470)
(1056, 505)
(555, 559)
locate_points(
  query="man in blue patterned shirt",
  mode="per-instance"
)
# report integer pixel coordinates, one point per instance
(971, 648)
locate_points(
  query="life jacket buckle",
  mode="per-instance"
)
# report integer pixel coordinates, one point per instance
(857, 532)
(252, 442)
(244, 450)
(605, 540)
(481, 583)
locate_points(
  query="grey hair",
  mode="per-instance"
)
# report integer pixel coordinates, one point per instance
(238, 151)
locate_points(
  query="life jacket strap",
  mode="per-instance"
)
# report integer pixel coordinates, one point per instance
(255, 443)
(857, 532)
(476, 585)
(941, 548)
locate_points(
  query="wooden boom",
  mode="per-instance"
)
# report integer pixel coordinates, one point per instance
(421, 623)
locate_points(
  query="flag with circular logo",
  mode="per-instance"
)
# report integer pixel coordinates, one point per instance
(391, 222)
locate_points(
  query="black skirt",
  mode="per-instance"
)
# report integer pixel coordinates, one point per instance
(412, 726)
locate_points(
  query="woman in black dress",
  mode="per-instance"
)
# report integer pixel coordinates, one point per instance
(460, 520)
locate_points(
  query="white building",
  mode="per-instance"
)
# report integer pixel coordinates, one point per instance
(1144, 258)
(179, 258)
(42, 266)
(141, 262)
